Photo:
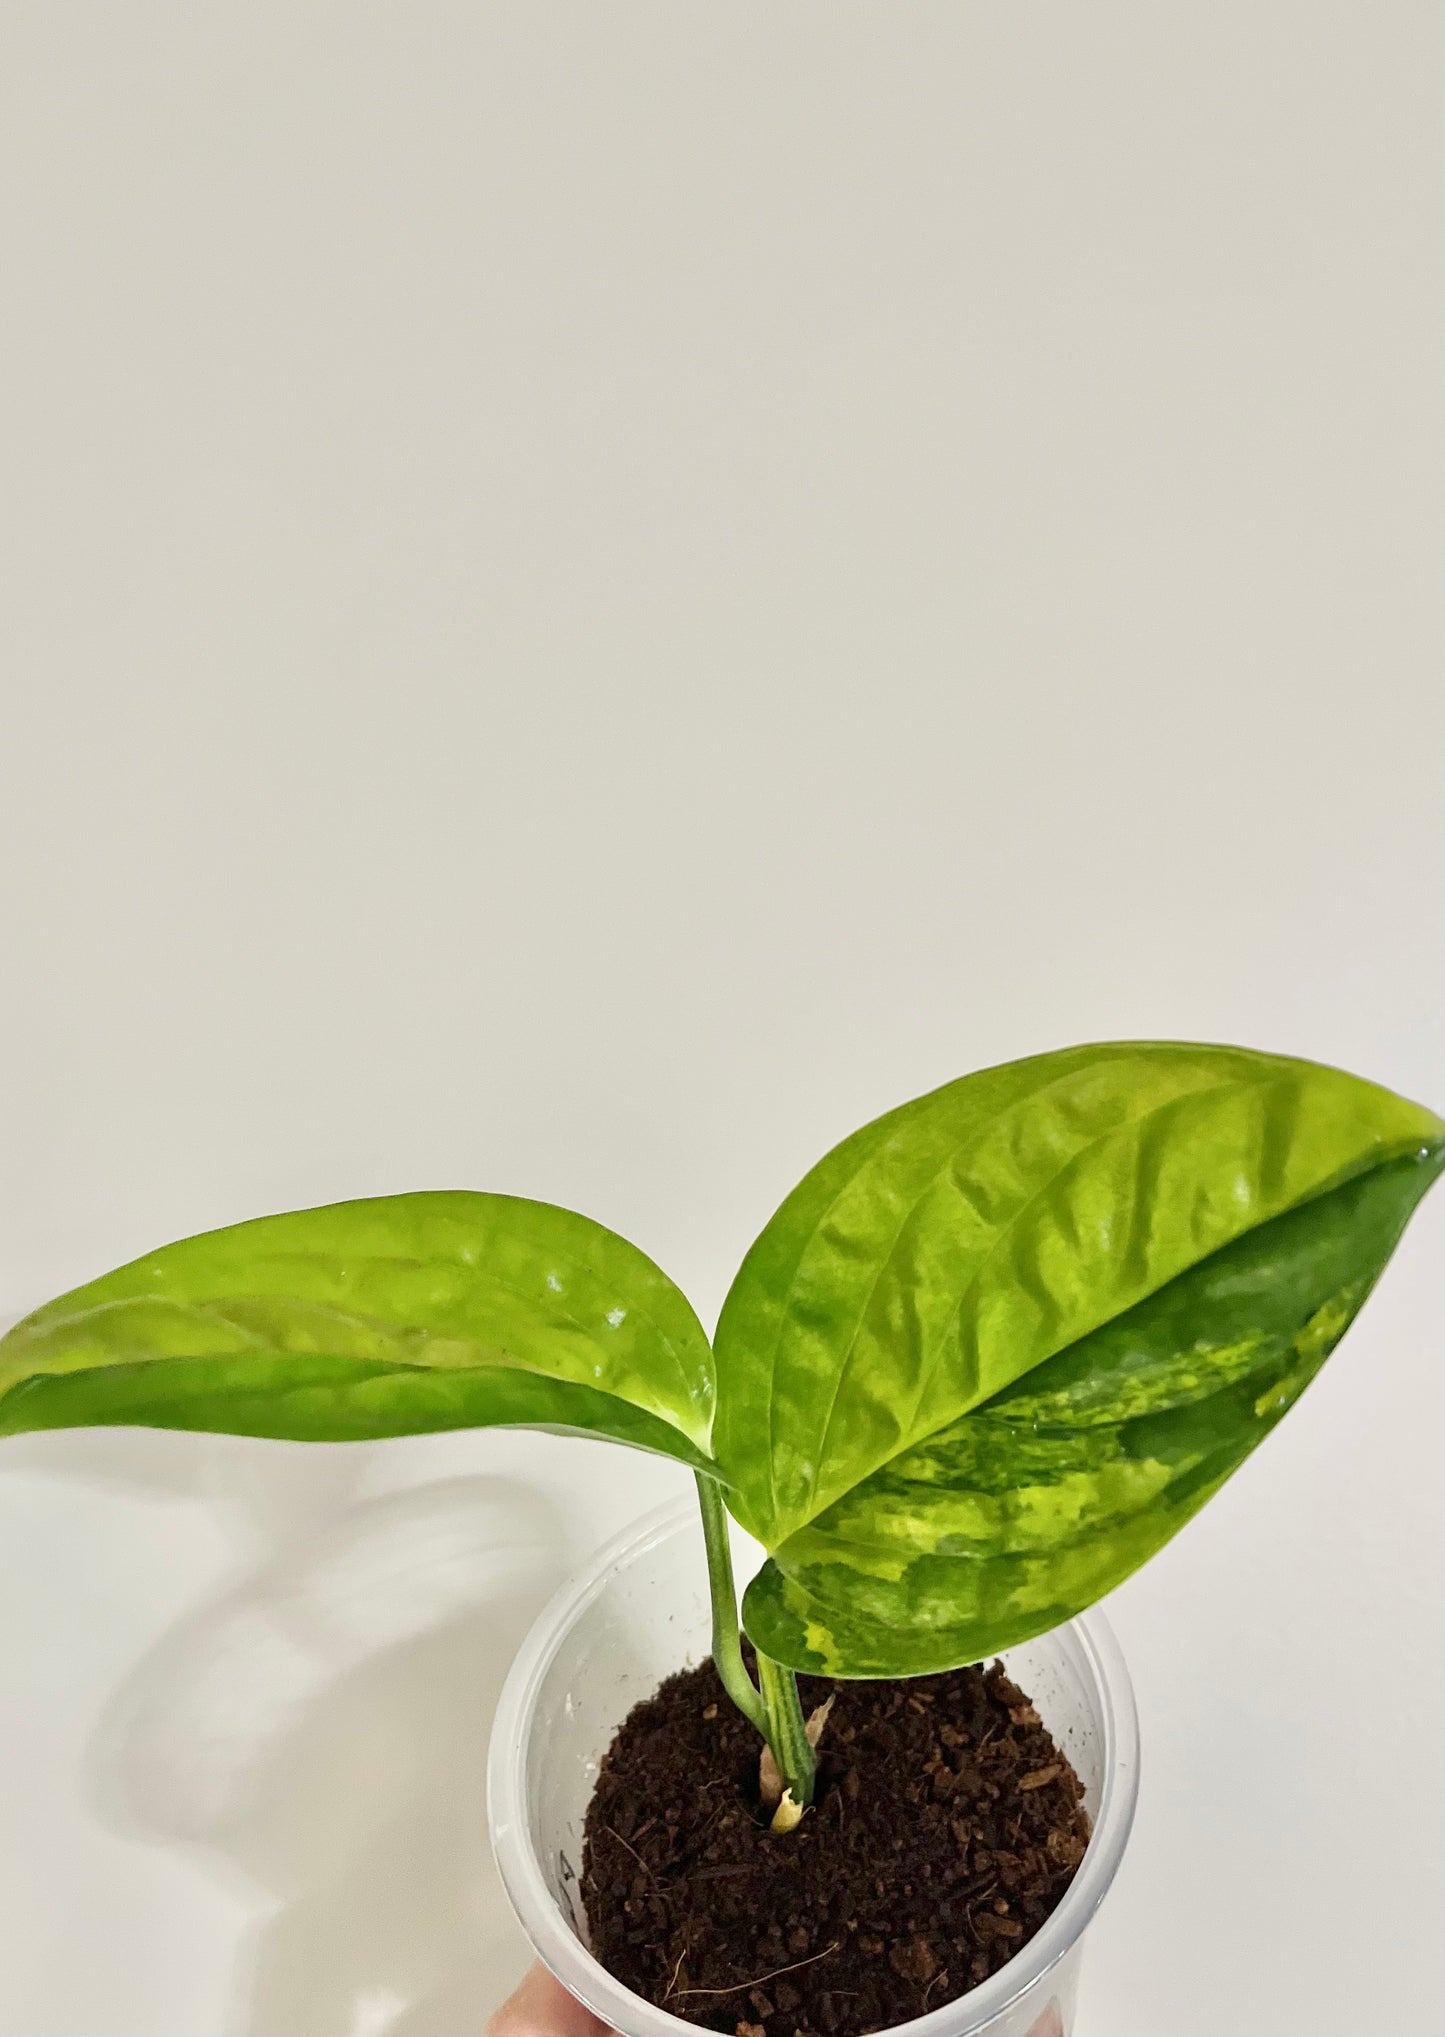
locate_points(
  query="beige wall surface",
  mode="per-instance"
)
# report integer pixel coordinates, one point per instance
(593, 594)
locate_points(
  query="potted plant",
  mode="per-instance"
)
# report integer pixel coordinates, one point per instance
(989, 1355)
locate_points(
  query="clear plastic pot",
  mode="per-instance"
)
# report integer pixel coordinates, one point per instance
(639, 1612)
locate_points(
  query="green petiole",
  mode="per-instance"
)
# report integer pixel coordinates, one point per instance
(776, 1713)
(727, 1651)
(787, 1735)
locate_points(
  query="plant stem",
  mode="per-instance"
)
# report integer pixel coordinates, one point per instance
(726, 1649)
(787, 1735)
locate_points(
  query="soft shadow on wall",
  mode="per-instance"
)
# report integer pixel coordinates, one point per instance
(320, 1724)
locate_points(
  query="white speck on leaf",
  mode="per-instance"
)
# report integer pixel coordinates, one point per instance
(615, 1316)
(554, 1283)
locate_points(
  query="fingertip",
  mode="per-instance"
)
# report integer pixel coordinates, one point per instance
(542, 2007)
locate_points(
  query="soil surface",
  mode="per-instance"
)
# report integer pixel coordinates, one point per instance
(945, 1828)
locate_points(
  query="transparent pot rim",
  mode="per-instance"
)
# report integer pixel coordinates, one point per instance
(1089, 1637)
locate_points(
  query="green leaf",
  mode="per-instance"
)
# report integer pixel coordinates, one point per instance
(949, 1252)
(1025, 1511)
(378, 1318)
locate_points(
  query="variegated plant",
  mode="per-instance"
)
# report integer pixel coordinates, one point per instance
(989, 1355)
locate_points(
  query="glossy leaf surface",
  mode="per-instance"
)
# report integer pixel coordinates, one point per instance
(1025, 1511)
(376, 1318)
(946, 1254)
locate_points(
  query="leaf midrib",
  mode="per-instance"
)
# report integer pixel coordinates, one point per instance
(1030, 1099)
(1365, 1165)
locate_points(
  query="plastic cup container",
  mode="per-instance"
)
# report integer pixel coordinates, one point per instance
(639, 1612)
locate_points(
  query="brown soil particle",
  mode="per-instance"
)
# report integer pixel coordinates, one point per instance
(945, 1829)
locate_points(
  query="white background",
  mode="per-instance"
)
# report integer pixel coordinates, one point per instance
(594, 595)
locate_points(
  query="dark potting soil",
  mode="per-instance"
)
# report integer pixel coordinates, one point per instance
(945, 1828)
